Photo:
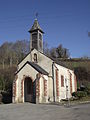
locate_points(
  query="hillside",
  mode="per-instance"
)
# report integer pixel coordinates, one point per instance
(78, 62)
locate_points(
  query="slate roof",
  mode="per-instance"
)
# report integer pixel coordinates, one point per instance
(35, 66)
(36, 26)
(61, 63)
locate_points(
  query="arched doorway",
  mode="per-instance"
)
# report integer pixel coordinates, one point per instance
(28, 89)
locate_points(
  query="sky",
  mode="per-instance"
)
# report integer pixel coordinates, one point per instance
(65, 22)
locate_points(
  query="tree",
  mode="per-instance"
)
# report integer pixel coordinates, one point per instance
(6, 78)
(21, 48)
(46, 49)
(82, 74)
(59, 52)
(12, 53)
(53, 53)
(62, 52)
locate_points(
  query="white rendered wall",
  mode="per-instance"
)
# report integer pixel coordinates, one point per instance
(66, 73)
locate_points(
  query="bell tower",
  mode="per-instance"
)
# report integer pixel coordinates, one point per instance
(36, 37)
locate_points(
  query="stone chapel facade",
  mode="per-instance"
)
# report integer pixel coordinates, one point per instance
(39, 79)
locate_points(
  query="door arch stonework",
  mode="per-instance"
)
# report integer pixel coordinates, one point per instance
(27, 89)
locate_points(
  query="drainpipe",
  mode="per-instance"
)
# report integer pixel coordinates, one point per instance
(53, 82)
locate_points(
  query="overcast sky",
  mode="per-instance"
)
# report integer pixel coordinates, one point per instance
(65, 22)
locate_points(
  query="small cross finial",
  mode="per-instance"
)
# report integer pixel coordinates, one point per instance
(88, 34)
(36, 15)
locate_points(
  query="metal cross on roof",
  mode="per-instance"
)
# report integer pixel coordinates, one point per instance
(88, 34)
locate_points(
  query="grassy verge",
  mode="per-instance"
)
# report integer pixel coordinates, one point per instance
(76, 101)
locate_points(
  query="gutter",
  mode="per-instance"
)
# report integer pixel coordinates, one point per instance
(53, 82)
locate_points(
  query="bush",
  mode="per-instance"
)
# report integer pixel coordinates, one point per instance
(0, 98)
(6, 97)
(79, 94)
(87, 90)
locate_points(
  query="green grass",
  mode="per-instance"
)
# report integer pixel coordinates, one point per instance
(73, 64)
(76, 101)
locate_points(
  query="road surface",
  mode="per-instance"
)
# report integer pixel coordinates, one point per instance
(28, 111)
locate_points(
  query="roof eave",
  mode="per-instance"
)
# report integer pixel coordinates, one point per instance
(30, 31)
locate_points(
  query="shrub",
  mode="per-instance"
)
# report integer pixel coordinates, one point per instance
(87, 90)
(6, 97)
(79, 94)
(0, 98)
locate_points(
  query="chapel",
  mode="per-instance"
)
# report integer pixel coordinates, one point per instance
(39, 78)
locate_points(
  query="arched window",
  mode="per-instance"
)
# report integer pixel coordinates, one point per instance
(40, 36)
(34, 40)
(35, 57)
